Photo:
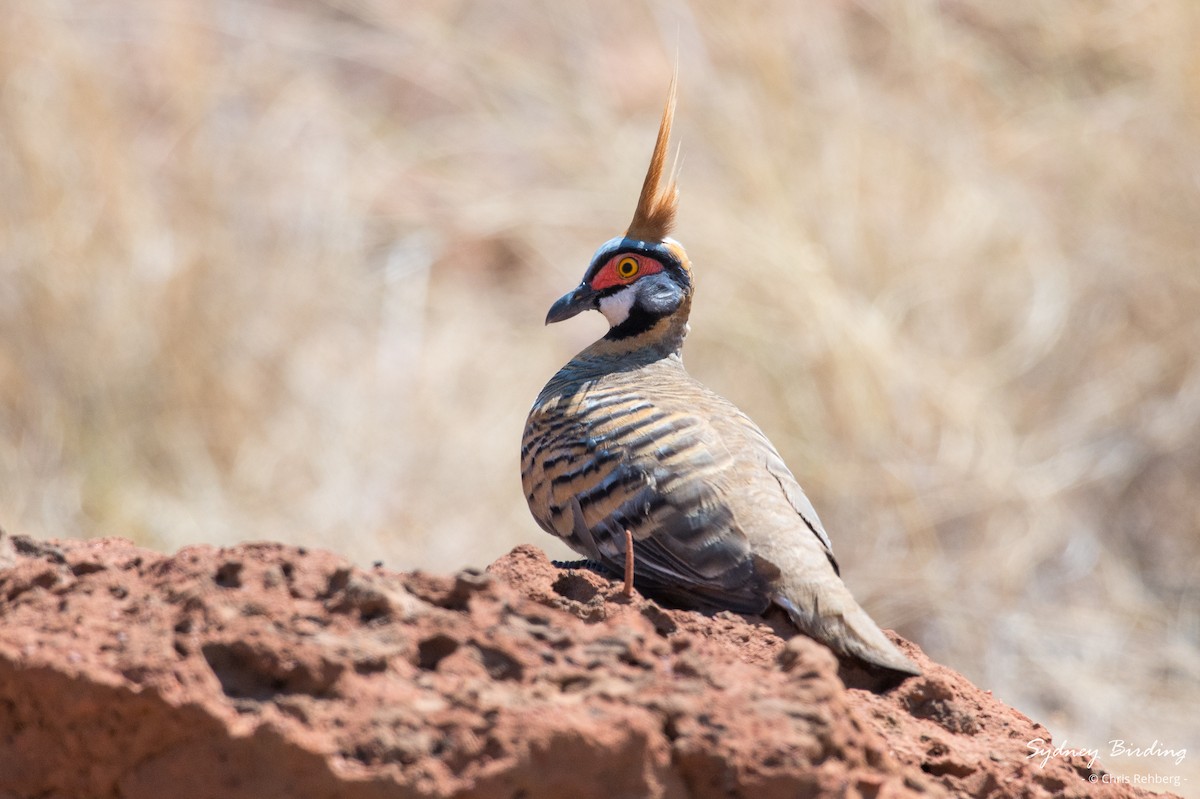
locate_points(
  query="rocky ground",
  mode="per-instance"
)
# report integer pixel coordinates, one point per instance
(266, 670)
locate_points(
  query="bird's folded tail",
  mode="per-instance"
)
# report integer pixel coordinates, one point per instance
(847, 630)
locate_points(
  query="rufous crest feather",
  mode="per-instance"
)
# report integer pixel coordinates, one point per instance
(655, 214)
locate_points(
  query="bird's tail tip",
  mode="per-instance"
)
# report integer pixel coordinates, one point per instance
(852, 633)
(894, 660)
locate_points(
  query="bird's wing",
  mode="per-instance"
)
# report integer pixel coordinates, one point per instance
(757, 451)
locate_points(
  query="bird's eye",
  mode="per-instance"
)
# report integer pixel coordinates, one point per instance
(627, 268)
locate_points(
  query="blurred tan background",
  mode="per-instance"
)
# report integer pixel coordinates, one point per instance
(278, 270)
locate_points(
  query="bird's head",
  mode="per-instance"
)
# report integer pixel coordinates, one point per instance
(642, 281)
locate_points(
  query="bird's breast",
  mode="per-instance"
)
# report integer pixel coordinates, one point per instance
(631, 448)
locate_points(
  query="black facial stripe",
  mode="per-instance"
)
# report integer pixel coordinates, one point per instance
(638, 322)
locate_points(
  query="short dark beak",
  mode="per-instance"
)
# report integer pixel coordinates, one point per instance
(571, 303)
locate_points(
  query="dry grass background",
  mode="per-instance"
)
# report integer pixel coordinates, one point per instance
(278, 270)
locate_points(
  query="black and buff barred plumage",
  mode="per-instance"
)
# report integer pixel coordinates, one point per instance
(623, 438)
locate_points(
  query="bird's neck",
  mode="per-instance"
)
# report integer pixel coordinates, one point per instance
(660, 345)
(662, 338)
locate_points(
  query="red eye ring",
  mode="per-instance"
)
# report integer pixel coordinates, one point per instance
(624, 268)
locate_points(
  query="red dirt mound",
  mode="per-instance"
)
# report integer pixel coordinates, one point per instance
(265, 670)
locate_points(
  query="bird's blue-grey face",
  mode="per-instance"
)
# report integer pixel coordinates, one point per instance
(633, 283)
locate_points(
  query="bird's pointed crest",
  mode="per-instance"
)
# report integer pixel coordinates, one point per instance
(655, 214)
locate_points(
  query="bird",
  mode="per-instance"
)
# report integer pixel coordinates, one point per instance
(622, 442)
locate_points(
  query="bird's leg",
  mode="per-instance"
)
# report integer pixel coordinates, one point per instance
(628, 590)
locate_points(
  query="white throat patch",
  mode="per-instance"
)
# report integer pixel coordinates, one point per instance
(616, 307)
